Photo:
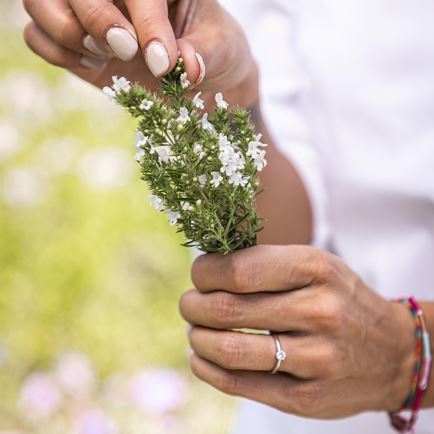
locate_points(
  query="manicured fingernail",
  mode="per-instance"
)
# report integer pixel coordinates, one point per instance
(122, 42)
(96, 47)
(202, 70)
(157, 58)
(92, 62)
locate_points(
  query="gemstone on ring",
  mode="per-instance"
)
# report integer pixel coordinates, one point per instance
(281, 355)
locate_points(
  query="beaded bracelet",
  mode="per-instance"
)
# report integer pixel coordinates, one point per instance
(421, 372)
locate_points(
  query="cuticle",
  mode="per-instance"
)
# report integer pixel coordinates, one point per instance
(119, 26)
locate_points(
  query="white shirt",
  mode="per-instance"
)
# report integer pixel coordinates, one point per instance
(348, 95)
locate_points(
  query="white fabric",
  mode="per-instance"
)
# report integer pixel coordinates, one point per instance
(348, 94)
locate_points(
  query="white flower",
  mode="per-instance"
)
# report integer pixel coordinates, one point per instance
(121, 84)
(173, 217)
(198, 102)
(206, 125)
(232, 160)
(254, 145)
(185, 206)
(146, 104)
(141, 140)
(216, 179)
(183, 115)
(257, 155)
(223, 141)
(198, 149)
(202, 180)
(184, 81)
(109, 93)
(237, 179)
(139, 155)
(156, 202)
(164, 154)
(221, 103)
(259, 160)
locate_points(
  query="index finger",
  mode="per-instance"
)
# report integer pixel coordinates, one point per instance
(156, 36)
(260, 269)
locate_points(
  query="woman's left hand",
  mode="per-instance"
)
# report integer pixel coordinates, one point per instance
(348, 349)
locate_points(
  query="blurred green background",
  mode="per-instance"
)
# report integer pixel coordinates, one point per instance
(91, 341)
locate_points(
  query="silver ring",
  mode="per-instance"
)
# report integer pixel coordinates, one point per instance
(280, 355)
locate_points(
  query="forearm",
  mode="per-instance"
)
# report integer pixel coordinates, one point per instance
(284, 203)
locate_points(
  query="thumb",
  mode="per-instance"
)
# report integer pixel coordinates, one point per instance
(215, 51)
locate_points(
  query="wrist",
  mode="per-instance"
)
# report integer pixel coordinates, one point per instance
(405, 338)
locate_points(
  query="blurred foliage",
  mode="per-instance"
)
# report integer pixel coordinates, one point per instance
(85, 263)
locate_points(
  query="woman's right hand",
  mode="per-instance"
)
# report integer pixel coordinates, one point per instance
(96, 39)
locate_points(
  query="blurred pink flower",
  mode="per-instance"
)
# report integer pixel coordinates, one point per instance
(39, 395)
(158, 390)
(75, 374)
(93, 422)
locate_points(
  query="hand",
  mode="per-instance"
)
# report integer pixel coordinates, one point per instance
(348, 349)
(97, 39)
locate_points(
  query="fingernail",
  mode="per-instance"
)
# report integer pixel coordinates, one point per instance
(122, 42)
(92, 62)
(157, 58)
(95, 47)
(202, 70)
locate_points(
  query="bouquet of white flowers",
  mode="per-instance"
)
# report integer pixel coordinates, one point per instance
(200, 168)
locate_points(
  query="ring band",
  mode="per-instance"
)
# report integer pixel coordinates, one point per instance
(280, 355)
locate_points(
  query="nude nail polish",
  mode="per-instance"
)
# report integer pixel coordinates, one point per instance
(157, 58)
(122, 42)
(92, 62)
(96, 47)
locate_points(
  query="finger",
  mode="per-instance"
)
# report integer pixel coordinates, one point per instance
(279, 391)
(59, 22)
(156, 36)
(194, 62)
(219, 50)
(260, 269)
(275, 311)
(41, 44)
(257, 352)
(107, 24)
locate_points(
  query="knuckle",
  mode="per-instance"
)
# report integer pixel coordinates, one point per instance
(64, 30)
(229, 352)
(308, 398)
(228, 383)
(225, 308)
(330, 313)
(243, 273)
(326, 268)
(94, 14)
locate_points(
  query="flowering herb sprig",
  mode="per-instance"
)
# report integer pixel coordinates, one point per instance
(200, 168)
